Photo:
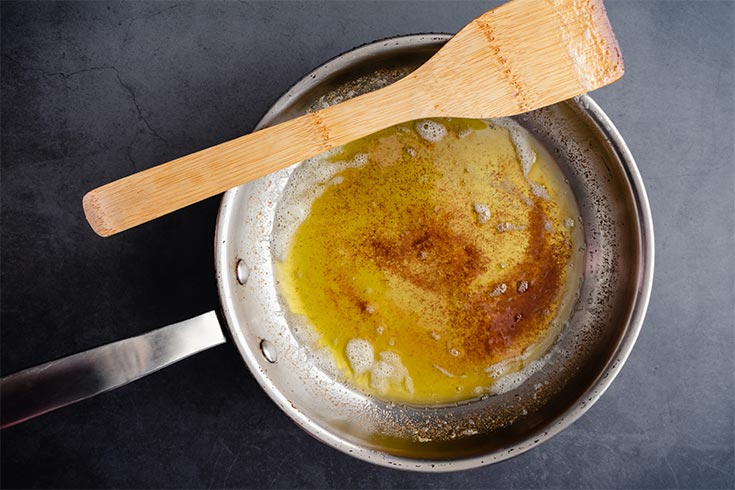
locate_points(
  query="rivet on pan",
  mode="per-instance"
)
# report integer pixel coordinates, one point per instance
(269, 351)
(242, 272)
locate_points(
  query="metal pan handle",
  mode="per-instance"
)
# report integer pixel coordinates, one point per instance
(37, 390)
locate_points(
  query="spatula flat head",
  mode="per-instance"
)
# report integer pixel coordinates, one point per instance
(524, 55)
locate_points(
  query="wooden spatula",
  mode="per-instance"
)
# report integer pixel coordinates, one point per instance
(520, 56)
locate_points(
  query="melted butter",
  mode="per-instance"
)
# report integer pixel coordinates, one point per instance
(428, 259)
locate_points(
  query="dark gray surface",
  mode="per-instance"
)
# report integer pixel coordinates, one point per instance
(92, 92)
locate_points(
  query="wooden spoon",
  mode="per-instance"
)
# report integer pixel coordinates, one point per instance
(518, 57)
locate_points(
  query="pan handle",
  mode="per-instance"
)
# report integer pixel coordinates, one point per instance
(37, 390)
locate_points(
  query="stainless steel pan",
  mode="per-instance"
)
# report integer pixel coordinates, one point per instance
(587, 356)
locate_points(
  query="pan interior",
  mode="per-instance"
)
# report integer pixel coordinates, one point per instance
(587, 353)
(432, 262)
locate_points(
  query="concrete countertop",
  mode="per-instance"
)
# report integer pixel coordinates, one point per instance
(94, 91)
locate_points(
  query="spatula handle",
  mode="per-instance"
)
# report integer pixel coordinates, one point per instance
(152, 193)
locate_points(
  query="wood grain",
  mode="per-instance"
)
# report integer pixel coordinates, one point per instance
(520, 56)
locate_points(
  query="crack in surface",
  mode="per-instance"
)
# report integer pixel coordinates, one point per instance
(67, 76)
(51, 74)
(129, 152)
(137, 106)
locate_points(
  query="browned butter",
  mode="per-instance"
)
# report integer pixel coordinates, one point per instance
(431, 261)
